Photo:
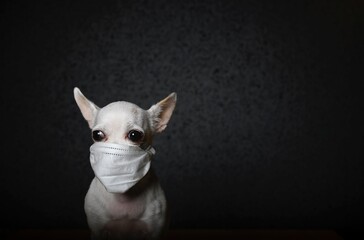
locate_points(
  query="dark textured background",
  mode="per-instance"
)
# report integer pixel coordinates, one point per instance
(267, 131)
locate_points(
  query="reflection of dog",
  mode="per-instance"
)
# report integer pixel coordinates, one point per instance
(125, 199)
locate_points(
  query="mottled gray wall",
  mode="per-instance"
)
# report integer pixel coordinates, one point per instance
(267, 130)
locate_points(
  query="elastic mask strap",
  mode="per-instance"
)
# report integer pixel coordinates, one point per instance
(147, 148)
(150, 150)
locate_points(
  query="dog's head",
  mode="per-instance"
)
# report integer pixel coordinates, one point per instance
(124, 122)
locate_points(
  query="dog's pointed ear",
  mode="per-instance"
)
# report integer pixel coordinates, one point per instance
(160, 113)
(88, 108)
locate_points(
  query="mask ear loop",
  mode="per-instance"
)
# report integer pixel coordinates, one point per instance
(147, 148)
(150, 150)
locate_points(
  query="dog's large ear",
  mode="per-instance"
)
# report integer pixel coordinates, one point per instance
(160, 113)
(88, 108)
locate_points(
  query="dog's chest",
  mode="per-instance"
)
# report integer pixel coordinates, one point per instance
(101, 204)
(120, 207)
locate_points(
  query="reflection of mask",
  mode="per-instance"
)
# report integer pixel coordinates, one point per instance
(119, 167)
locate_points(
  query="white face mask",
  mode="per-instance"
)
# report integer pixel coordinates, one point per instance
(119, 167)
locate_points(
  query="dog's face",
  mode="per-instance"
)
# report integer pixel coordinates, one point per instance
(124, 122)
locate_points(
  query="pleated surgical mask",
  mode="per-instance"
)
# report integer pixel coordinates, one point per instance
(119, 167)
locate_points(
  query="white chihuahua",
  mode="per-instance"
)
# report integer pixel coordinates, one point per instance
(125, 199)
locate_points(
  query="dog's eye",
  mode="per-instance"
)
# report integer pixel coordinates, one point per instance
(135, 136)
(98, 135)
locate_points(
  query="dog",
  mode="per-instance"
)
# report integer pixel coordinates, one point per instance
(125, 199)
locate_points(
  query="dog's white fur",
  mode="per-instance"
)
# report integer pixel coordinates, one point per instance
(141, 212)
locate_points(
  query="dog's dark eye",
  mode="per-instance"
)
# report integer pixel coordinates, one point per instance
(135, 136)
(98, 135)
